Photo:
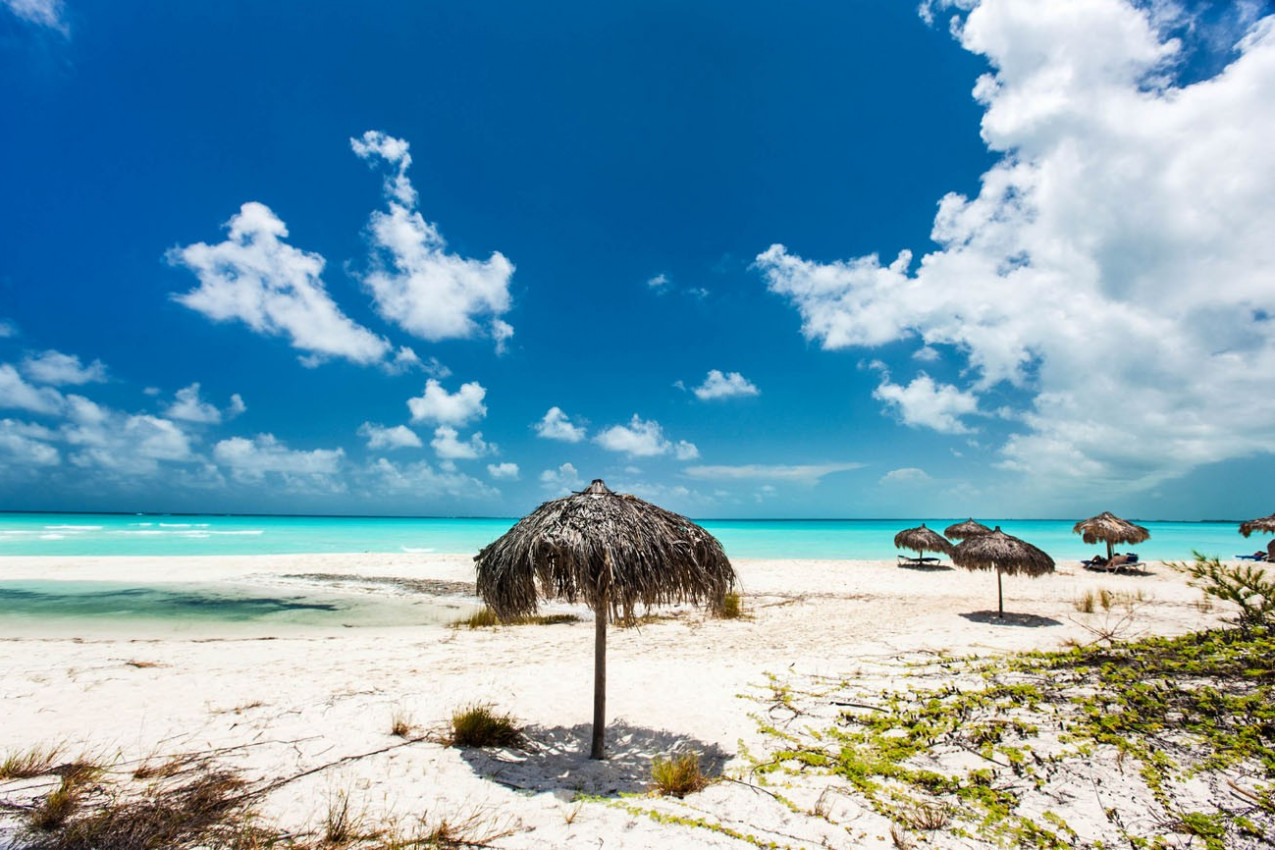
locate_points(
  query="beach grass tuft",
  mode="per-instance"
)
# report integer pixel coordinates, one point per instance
(678, 775)
(479, 725)
(401, 724)
(730, 608)
(485, 617)
(36, 761)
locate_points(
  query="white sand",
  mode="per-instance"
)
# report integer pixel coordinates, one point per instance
(310, 697)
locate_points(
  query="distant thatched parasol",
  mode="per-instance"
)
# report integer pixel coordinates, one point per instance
(963, 530)
(1004, 553)
(922, 539)
(1266, 524)
(1110, 528)
(612, 552)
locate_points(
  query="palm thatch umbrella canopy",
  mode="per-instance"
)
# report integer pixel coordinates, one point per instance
(962, 530)
(1110, 528)
(611, 551)
(1266, 524)
(922, 539)
(1004, 553)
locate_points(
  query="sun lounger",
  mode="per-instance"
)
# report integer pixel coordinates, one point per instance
(1256, 556)
(908, 560)
(1118, 563)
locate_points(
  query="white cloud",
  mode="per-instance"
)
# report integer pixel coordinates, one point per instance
(414, 281)
(251, 460)
(906, 475)
(7, 329)
(273, 288)
(420, 480)
(556, 425)
(54, 367)
(189, 407)
(448, 447)
(660, 283)
(237, 406)
(564, 479)
(380, 437)
(128, 444)
(17, 393)
(719, 386)
(503, 471)
(685, 451)
(439, 407)
(807, 473)
(47, 13)
(640, 438)
(1114, 269)
(924, 403)
(25, 444)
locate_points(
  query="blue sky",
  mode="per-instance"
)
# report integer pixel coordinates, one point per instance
(824, 260)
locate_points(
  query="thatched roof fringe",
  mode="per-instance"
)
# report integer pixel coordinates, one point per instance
(922, 539)
(597, 545)
(997, 550)
(1110, 528)
(1266, 523)
(962, 530)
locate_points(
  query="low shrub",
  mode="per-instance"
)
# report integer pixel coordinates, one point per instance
(479, 725)
(677, 776)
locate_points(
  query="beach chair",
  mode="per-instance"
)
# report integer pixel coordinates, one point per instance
(920, 561)
(1256, 556)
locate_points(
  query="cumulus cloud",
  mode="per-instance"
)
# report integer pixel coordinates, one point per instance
(1114, 268)
(640, 438)
(926, 404)
(720, 386)
(906, 475)
(58, 369)
(15, 393)
(275, 289)
(804, 473)
(128, 444)
(420, 480)
(27, 444)
(440, 407)
(660, 283)
(564, 479)
(503, 471)
(189, 407)
(380, 437)
(46, 13)
(415, 282)
(250, 460)
(448, 446)
(685, 451)
(556, 425)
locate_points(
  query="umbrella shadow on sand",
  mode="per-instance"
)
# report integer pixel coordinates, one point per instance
(556, 759)
(992, 618)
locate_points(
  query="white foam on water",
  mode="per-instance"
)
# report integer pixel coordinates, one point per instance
(416, 550)
(73, 528)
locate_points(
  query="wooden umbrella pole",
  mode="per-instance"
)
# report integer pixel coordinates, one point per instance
(1000, 595)
(600, 615)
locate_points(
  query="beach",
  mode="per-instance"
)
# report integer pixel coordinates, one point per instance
(277, 700)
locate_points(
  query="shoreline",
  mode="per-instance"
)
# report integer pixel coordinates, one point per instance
(291, 702)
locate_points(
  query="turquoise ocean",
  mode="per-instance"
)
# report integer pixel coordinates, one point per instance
(139, 535)
(71, 606)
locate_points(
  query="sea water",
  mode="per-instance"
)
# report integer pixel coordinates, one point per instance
(165, 535)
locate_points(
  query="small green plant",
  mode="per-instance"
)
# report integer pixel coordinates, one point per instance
(59, 805)
(479, 725)
(1246, 585)
(340, 825)
(485, 618)
(731, 607)
(36, 761)
(677, 776)
(401, 724)
(1085, 604)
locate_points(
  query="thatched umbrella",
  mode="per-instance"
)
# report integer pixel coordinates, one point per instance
(613, 552)
(922, 539)
(962, 530)
(1004, 553)
(1266, 524)
(1110, 528)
